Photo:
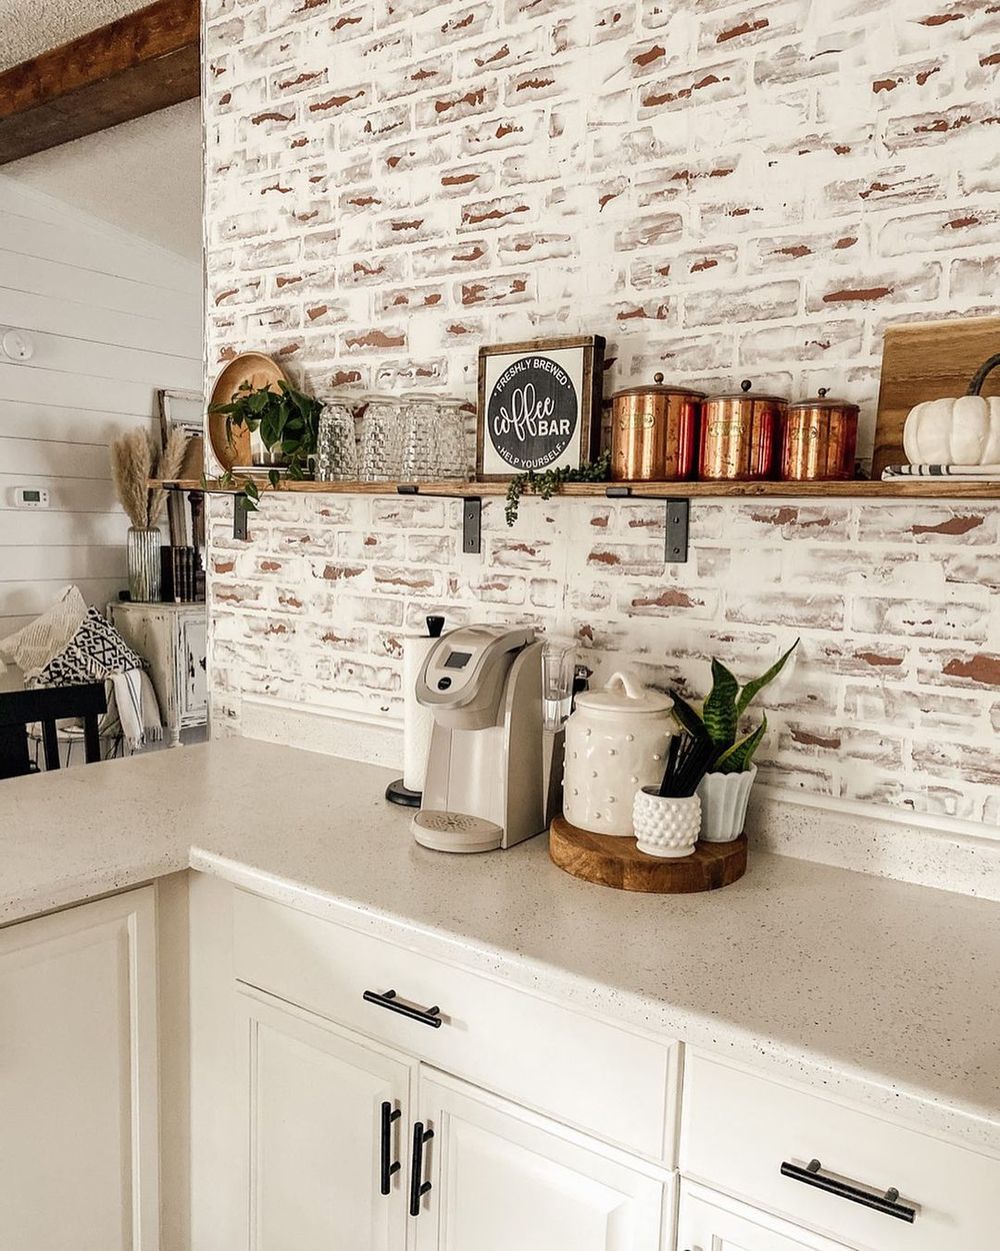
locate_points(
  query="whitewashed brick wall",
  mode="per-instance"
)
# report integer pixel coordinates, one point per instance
(723, 190)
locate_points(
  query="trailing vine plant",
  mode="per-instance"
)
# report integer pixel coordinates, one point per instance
(288, 422)
(549, 481)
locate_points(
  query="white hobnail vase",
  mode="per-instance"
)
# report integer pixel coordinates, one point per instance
(666, 825)
(724, 798)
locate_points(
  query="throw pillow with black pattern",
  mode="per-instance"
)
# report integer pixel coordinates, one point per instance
(94, 652)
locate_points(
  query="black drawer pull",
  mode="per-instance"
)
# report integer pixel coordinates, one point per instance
(387, 999)
(387, 1166)
(887, 1202)
(418, 1188)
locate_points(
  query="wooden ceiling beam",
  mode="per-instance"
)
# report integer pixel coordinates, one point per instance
(138, 64)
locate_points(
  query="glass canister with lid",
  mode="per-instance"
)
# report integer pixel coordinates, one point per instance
(616, 743)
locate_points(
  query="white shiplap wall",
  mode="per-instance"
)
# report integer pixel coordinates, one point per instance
(111, 318)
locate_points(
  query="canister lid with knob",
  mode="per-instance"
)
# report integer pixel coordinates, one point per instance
(624, 693)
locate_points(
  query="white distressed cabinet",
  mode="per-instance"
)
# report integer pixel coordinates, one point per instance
(78, 1079)
(173, 639)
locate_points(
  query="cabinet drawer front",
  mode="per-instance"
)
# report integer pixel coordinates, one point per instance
(585, 1072)
(738, 1129)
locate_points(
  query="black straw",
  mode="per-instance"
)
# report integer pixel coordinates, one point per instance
(688, 760)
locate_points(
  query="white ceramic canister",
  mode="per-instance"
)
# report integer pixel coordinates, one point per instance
(616, 743)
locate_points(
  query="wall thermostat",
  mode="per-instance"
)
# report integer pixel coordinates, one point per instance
(17, 346)
(31, 497)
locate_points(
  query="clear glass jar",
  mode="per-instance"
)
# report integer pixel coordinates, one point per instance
(434, 443)
(337, 443)
(381, 438)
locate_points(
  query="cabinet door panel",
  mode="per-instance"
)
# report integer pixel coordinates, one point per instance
(710, 1222)
(503, 1178)
(78, 1115)
(313, 1123)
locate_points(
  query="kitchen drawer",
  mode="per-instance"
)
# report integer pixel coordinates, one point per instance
(620, 1086)
(737, 1129)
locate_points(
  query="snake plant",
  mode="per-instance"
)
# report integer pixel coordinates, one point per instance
(722, 712)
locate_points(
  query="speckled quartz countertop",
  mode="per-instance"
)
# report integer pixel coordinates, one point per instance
(882, 991)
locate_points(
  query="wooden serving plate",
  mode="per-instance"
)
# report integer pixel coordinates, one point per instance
(260, 371)
(618, 862)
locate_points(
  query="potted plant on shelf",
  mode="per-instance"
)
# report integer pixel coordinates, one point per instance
(725, 788)
(283, 424)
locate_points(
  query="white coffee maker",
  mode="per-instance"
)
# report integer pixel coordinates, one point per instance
(487, 770)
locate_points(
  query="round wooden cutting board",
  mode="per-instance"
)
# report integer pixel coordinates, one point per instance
(618, 862)
(260, 371)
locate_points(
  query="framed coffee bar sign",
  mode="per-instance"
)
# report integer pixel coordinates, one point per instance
(539, 405)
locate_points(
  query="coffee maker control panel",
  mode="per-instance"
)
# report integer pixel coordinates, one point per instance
(466, 660)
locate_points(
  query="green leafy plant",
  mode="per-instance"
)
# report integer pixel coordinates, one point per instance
(548, 482)
(722, 713)
(288, 423)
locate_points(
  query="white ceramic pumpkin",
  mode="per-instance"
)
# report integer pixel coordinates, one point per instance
(963, 431)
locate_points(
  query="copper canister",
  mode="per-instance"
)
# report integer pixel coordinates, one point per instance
(653, 432)
(820, 440)
(740, 436)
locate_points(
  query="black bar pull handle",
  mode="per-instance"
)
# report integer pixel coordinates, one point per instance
(387, 1165)
(387, 999)
(887, 1201)
(418, 1188)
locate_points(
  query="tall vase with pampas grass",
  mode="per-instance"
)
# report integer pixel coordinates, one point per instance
(135, 462)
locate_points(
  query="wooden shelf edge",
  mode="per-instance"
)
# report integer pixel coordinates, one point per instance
(923, 488)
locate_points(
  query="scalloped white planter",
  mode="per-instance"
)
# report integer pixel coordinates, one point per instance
(666, 825)
(724, 798)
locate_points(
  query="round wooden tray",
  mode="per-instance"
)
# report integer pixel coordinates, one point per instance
(260, 371)
(618, 862)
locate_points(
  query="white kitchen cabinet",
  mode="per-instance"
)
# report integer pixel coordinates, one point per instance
(317, 1107)
(711, 1222)
(503, 1178)
(319, 1101)
(78, 1079)
(172, 638)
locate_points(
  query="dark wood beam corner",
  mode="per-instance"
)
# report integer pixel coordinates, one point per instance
(133, 66)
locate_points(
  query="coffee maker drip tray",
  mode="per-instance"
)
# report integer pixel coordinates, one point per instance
(455, 831)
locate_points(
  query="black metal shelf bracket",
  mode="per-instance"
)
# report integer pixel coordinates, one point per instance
(472, 514)
(240, 513)
(675, 538)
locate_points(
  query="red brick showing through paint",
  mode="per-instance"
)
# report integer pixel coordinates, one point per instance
(724, 192)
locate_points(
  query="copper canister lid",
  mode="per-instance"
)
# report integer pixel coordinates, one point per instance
(745, 393)
(657, 387)
(823, 400)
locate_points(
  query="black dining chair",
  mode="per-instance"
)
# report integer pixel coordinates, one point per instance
(19, 710)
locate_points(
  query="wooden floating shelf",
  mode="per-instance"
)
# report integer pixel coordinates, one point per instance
(922, 488)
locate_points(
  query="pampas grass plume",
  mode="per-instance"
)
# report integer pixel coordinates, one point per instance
(131, 467)
(168, 469)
